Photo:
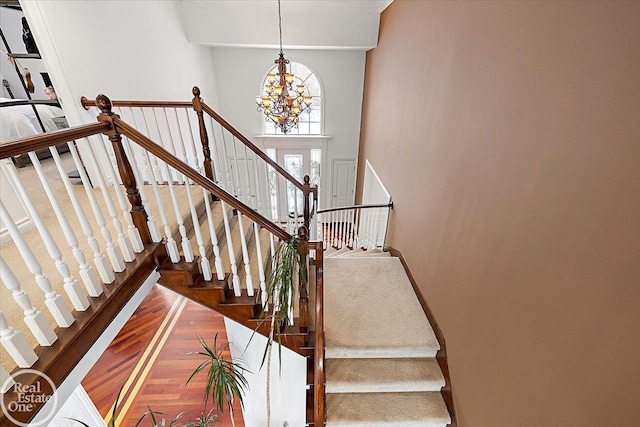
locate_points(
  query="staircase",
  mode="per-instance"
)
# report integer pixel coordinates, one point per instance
(381, 370)
(209, 231)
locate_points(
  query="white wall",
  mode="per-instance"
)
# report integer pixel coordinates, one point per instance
(239, 73)
(125, 50)
(78, 406)
(288, 388)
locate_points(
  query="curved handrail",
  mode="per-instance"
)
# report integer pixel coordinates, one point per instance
(344, 208)
(164, 155)
(15, 147)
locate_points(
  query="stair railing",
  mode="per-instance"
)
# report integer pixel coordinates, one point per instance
(150, 177)
(358, 226)
(35, 266)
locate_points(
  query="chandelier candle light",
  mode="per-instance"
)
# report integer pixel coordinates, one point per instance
(280, 102)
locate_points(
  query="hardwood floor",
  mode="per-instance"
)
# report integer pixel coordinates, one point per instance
(150, 360)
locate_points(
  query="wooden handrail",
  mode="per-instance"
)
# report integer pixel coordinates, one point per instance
(164, 155)
(15, 147)
(251, 146)
(318, 358)
(88, 103)
(344, 208)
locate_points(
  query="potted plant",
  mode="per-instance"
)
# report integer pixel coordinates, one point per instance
(225, 381)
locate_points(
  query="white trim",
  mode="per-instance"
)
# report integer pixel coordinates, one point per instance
(369, 168)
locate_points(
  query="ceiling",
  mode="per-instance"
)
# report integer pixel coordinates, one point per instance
(306, 24)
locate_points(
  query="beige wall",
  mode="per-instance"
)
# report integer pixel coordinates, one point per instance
(509, 137)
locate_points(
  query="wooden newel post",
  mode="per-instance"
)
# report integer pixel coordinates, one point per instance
(303, 252)
(138, 214)
(204, 137)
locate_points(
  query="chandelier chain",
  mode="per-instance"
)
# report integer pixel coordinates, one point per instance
(280, 25)
(282, 102)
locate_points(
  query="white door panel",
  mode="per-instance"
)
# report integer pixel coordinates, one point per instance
(343, 182)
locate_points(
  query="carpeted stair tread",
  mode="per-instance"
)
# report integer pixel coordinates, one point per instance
(426, 409)
(389, 321)
(339, 252)
(372, 252)
(329, 251)
(383, 375)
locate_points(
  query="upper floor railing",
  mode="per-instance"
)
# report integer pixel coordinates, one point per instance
(358, 226)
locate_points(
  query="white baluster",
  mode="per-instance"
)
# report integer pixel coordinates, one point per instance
(356, 236)
(259, 202)
(6, 382)
(238, 188)
(245, 257)
(16, 345)
(104, 269)
(204, 261)
(214, 237)
(352, 227)
(151, 221)
(215, 155)
(113, 252)
(334, 224)
(232, 255)
(261, 276)
(34, 319)
(340, 236)
(172, 148)
(229, 185)
(296, 212)
(170, 243)
(250, 194)
(87, 274)
(123, 241)
(341, 228)
(186, 245)
(376, 228)
(206, 197)
(71, 286)
(194, 150)
(132, 231)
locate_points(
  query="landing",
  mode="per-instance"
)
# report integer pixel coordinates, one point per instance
(371, 310)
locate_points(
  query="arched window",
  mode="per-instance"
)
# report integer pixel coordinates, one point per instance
(310, 123)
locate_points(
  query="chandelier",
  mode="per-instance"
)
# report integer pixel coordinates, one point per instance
(280, 102)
